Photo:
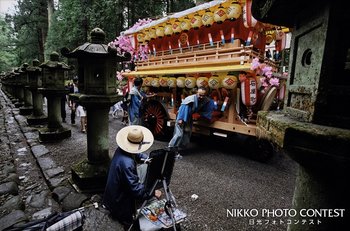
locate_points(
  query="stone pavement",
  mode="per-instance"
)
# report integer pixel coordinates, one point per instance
(32, 185)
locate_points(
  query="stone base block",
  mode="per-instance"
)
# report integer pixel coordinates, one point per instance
(36, 120)
(52, 135)
(88, 177)
(25, 110)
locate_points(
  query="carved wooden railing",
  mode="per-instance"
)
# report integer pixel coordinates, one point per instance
(202, 55)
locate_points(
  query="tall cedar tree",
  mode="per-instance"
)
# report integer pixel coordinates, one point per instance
(31, 26)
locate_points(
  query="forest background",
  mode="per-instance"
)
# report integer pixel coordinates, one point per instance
(39, 27)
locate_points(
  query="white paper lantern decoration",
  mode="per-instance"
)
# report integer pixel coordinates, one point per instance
(168, 29)
(163, 81)
(180, 82)
(185, 24)
(220, 15)
(190, 82)
(147, 38)
(229, 82)
(147, 81)
(155, 82)
(249, 91)
(214, 82)
(160, 31)
(202, 82)
(176, 27)
(152, 33)
(140, 37)
(196, 21)
(234, 11)
(171, 82)
(208, 18)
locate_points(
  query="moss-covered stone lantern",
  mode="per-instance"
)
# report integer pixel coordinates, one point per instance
(97, 86)
(19, 87)
(53, 73)
(35, 82)
(27, 108)
(5, 79)
(9, 85)
(314, 128)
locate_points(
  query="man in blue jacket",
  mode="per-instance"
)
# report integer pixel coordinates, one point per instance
(135, 98)
(183, 125)
(123, 184)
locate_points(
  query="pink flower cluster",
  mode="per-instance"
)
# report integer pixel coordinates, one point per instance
(123, 43)
(119, 75)
(265, 71)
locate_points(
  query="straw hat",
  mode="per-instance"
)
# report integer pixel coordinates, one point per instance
(134, 139)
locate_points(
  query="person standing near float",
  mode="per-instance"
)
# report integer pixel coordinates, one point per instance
(134, 101)
(183, 125)
(135, 98)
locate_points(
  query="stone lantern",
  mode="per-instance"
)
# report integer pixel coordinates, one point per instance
(314, 128)
(97, 86)
(4, 82)
(19, 87)
(7, 86)
(53, 89)
(35, 82)
(27, 108)
(10, 87)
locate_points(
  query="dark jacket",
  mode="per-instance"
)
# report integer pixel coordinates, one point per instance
(123, 187)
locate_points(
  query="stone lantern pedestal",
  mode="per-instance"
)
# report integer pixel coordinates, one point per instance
(53, 89)
(90, 175)
(314, 128)
(97, 87)
(35, 82)
(27, 108)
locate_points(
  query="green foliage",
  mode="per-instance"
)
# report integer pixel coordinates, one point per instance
(180, 5)
(30, 23)
(72, 22)
(68, 26)
(7, 54)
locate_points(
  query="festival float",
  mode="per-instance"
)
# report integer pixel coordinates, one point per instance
(218, 45)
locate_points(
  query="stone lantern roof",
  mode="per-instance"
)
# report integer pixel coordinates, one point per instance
(24, 67)
(54, 63)
(34, 67)
(95, 48)
(281, 12)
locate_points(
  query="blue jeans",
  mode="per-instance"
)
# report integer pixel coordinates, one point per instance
(177, 136)
(136, 121)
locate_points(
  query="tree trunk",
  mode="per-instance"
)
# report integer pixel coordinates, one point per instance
(42, 30)
(50, 11)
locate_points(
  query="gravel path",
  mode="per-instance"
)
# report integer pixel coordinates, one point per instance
(216, 170)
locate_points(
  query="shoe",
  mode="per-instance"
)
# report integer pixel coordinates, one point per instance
(178, 156)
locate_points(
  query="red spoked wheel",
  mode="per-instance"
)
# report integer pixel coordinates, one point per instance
(155, 117)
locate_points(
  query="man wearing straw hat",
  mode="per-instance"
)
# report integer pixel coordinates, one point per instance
(123, 186)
